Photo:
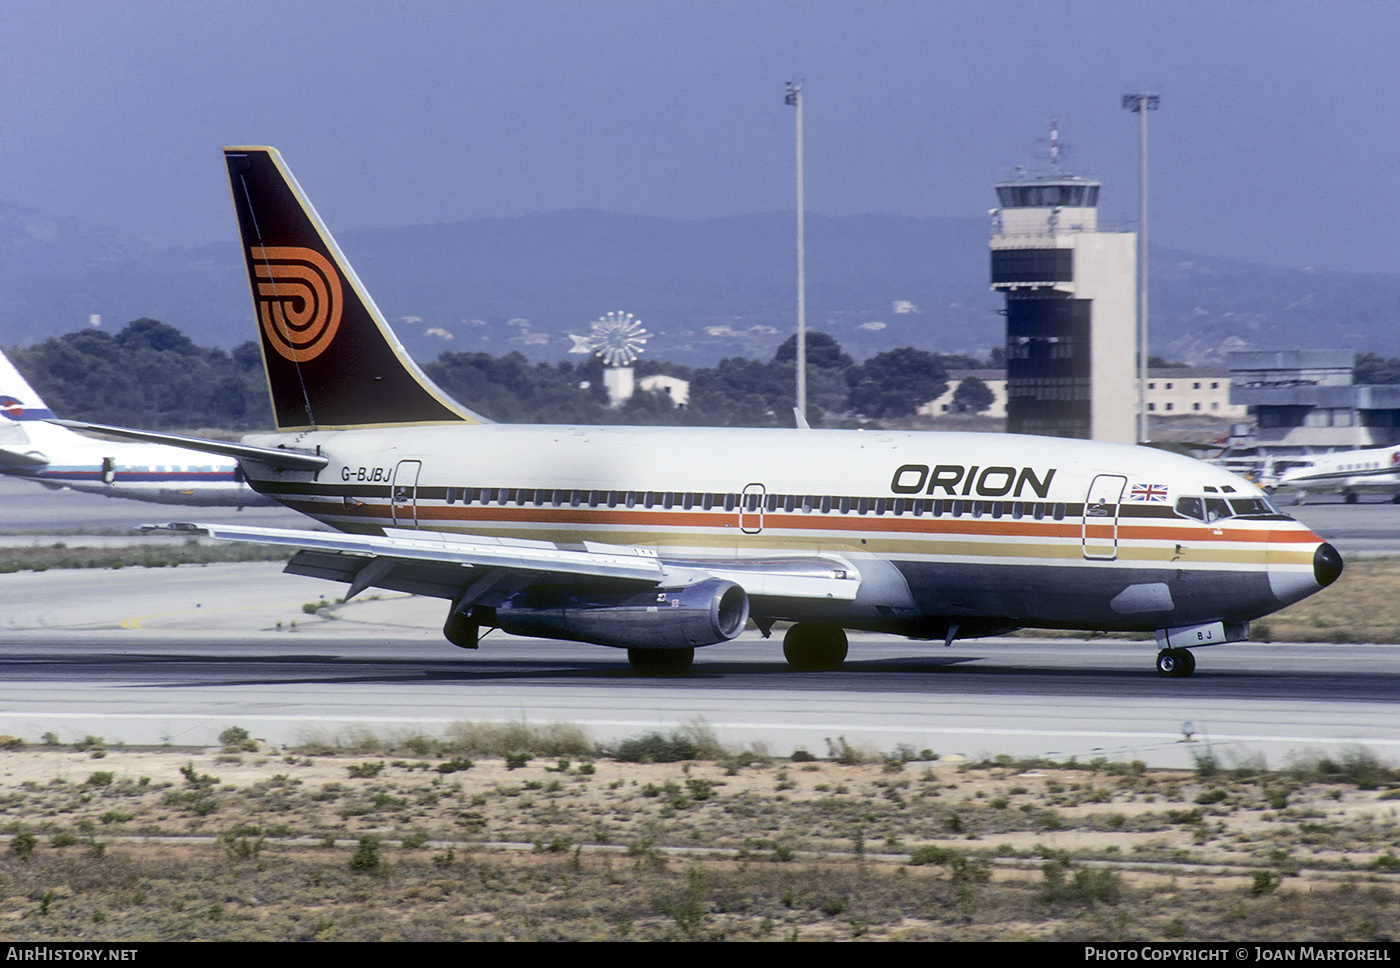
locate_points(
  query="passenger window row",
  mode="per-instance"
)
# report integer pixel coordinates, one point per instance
(753, 502)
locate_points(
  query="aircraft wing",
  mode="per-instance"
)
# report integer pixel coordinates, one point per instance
(444, 565)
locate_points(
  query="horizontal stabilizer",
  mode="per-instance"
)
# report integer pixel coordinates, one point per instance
(287, 460)
(22, 459)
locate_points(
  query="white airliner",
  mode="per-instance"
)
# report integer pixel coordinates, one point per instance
(662, 540)
(1347, 472)
(33, 448)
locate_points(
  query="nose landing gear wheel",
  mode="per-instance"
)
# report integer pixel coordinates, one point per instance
(1175, 663)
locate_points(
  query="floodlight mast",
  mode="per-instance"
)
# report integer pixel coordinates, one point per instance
(794, 98)
(1140, 104)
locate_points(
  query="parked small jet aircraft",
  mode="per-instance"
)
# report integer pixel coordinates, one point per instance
(663, 540)
(1346, 472)
(33, 448)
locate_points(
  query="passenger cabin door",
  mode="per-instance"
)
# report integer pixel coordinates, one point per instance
(1100, 534)
(403, 491)
(751, 508)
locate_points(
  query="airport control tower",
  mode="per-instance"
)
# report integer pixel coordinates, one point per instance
(1070, 310)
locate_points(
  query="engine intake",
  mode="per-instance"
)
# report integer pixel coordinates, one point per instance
(660, 618)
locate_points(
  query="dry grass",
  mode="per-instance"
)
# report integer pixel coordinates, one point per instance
(1362, 606)
(154, 555)
(162, 845)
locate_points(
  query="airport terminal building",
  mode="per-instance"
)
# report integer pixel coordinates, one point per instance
(1306, 402)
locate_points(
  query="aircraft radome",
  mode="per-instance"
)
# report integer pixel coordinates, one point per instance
(32, 447)
(1347, 472)
(663, 540)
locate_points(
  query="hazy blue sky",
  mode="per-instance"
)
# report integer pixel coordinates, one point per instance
(1276, 142)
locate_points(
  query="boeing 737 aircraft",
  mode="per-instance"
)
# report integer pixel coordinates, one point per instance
(33, 448)
(663, 540)
(1347, 472)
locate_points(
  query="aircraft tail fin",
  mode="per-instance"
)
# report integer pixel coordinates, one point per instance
(332, 361)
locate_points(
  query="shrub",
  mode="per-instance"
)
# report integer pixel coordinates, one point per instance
(23, 843)
(657, 748)
(366, 857)
(1097, 885)
(236, 739)
(196, 779)
(961, 869)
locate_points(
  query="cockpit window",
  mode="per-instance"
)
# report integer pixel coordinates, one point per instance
(1216, 509)
(1252, 507)
(1202, 508)
(1210, 509)
(1191, 507)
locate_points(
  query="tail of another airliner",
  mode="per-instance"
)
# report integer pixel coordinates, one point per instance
(332, 361)
(18, 400)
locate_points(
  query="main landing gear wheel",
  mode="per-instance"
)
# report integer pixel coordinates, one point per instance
(661, 662)
(810, 647)
(461, 631)
(1175, 663)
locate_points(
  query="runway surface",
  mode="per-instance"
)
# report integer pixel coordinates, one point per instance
(150, 656)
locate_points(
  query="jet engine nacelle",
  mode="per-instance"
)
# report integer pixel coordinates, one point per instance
(704, 613)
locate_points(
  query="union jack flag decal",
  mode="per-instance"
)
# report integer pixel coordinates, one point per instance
(1148, 492)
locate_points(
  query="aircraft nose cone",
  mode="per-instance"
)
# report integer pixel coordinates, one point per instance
(1327, 564)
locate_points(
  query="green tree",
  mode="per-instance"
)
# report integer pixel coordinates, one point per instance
(972, 396)
(895, 383)
(823, 352)
(958, 361)
(511, 390)
(147, 375)
(151, 334)
(1373, 369)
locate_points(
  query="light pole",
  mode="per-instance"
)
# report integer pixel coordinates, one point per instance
(1140, 104)
(794, 98)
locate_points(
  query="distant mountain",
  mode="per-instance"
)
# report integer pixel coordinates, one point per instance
(705, 289)
(1201, 308)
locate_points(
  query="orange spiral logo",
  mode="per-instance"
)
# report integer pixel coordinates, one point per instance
(299, 300)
